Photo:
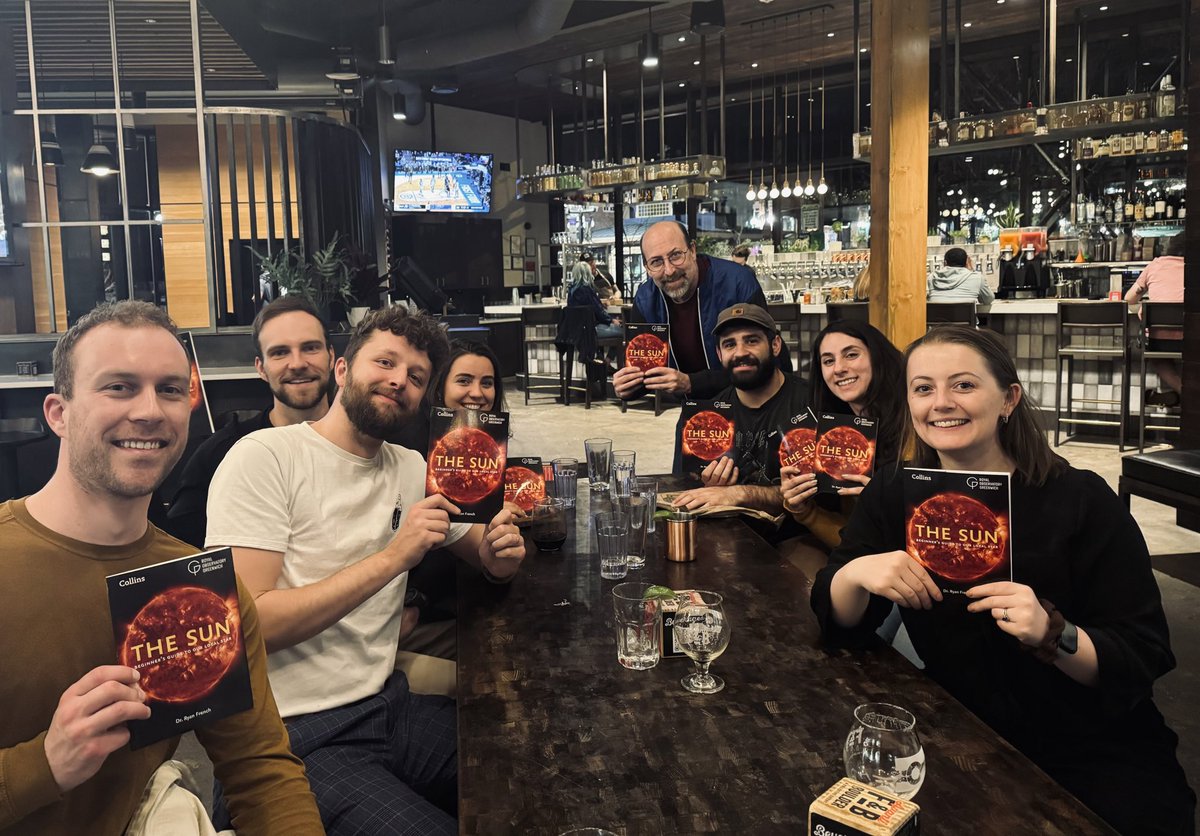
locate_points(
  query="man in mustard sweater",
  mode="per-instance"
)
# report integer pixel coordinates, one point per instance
(120, 407)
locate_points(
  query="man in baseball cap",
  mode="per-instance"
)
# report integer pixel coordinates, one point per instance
(765, 398)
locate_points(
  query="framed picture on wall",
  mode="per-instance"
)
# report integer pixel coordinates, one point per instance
(530, 277)
(530, 265)
(515, 263)
(531, 248)
(514, 245)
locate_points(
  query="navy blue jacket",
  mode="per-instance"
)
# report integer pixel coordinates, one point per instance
(724, 283)
(585, 295)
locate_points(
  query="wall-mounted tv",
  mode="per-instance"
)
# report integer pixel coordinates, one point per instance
(442, 181)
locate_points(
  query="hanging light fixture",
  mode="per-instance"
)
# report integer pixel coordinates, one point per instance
(821, 187)
(386, 58)
(51, 151)
(750, 145)
(774, 193)
(651, 51)
(809, 188)
(786, 191)
(99, 161)
(762, 135)
(399, 107)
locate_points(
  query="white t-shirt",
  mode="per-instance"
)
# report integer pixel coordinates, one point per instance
(289, 490)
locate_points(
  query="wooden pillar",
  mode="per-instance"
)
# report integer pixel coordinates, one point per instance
(899, 166)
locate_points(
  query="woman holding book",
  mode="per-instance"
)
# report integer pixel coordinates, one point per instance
(1061, 659)
(860, 373)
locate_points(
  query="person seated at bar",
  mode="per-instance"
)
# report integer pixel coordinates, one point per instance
(120, 407)
(1162, 281)
(765, 398)
(325, 520)
(1062, 659)
(292, 354)
(860, 373)
(688, 291)
(957, 280)
(581, 292)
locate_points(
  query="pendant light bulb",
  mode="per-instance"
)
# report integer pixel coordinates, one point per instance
(774, 193)
(786, 191)
(762, 191)
(99, 161)
(809, 188)
(821, 187)
(750, 191)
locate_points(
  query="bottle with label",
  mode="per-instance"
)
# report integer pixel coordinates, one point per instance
(1149, 208)
(1028, 120)
(1128, 108)
(1182, 213)
(1164, 100)
(1139, 142)
(1089, 210)
(1160, 206)
(1041, 123)
(1110, 211)
(962, 131)
(1128, 210)
(1139, 207)
(1152, 142)
(1103, 149)
(1164, 140)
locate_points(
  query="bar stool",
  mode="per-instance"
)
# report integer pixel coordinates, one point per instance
(577, 336)
(532, 318)
(1102, 327)
(14, 433)
(860, 311)
(1157, 315)
(950, 313)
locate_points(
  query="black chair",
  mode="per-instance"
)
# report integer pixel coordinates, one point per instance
(576, 337)
(950, 313)
(860, 311)
(536, 322)
(1169, 477)
(1091, 331)
(14, 433)
(1157, 315)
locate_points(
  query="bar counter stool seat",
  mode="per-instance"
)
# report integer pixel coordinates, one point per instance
(577, 337)
(14, 433)
(1105, 324)
(1157, 315)
(533, 317)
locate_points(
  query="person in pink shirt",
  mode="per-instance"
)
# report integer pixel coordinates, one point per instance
(1162, 281)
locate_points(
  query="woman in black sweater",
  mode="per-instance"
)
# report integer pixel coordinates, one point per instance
(1061, 660)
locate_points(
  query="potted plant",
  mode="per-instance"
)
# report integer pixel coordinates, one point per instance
(323, 279)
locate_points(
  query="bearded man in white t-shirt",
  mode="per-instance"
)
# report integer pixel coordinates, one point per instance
(325, 520)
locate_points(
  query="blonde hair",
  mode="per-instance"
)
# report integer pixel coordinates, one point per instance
(862, 284)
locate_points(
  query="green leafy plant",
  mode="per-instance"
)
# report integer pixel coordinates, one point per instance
(324, 278)
(1010, 217)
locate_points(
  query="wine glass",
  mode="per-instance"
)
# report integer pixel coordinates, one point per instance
(702, 632)
(883, 749)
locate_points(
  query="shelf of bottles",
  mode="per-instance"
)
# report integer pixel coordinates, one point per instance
(1133, 144)
(549, 181)
(700, 167)
(1097, 116)
(606, 175)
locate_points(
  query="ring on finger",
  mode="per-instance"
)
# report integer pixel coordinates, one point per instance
(1004, 615)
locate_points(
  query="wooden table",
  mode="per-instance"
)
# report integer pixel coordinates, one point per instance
(553, 733)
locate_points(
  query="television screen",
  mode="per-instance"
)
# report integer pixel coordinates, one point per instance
(442, 181)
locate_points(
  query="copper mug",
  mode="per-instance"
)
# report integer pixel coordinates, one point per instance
(681, 537)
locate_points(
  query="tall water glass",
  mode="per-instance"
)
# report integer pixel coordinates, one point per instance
(599, 462)
(566, 474)
(636, 621)
(623, 474)
(610, 536)
(647, 486)
(883, 749)
(636, 527)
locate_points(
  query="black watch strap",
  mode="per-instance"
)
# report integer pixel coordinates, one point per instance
(1068, 642)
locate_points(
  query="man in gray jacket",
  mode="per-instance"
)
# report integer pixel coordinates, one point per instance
(958, 281)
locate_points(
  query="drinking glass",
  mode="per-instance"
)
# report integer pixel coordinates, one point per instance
(566, 474)
(648, 487)
(623, 472)
(702, 632)
(610, 535)
(599, 462)
(635, 507)
(883, 749)
(549, 528)
(637, 621)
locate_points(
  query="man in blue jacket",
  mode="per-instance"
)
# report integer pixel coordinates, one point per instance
(687, 291)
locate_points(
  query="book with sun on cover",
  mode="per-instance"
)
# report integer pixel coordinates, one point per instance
(524, 483)
(468, 451)
(705, 433)
(179, 625)
(647, 345)
(797, 443)
(956, 525)
(845, 446)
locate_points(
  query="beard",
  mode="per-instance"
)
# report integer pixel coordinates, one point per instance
(682, 292)
(291, 400)
(756, 378)
(368, 418)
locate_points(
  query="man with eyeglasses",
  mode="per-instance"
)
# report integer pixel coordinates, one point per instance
(688, 291)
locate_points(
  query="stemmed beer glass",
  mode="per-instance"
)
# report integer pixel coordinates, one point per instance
(883, 749)
(702, 632)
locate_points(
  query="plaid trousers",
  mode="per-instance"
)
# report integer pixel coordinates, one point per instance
(385, 765)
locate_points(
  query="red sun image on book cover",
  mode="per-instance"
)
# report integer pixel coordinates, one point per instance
(525, 483)
(179, 625)
(957, 526)
(468, 451)
(647, 345)
(798, 443)
(845, 447)
(705, 433)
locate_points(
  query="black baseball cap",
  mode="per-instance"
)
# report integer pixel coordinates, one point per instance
(745, 312)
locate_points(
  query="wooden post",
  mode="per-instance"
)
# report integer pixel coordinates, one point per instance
(899, 166)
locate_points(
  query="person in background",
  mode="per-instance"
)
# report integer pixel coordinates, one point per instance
(740, 254)
(765, 398)
(1073, 643)
(688, 291)
(1162, 281)
(325, 520)
(120, 407)
(582, 292)
(293, 355)
(958, 281)
(856, 370)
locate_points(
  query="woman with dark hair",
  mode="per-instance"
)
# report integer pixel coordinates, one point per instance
(469, 379)
(856, 370)
(1062, 659)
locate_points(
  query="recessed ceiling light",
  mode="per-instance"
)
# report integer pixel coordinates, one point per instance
(1016, 57)
(999, 2)
(590, 60)
(1124, 34)
(683, 84)
(696, 63)
(1069, 60)
(151, 20)
(967, 25)
(1145, 63)
(754, 66)
(831, 34)
(683, 39)
(864, 49)
(1104, 8)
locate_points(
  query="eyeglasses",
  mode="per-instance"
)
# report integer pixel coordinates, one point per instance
(676, 257)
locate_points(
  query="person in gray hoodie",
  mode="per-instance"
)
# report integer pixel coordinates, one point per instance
(957, 281)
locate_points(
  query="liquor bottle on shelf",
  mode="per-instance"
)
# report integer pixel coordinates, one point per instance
(1139, 142)
(1160, 206)
(1041, 125)
(1151, 142)
(962, 131)
(1110, 211)
(1164, 100)
(1181, 213)
(1169, 213)
(1128, 208)
(1128, 107)
(1090, 210)
(1149, 210)
(1164, 140)
(1139, 206)
(1028, 120)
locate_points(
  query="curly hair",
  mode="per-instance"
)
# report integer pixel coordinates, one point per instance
(128, 313)
(421, 330)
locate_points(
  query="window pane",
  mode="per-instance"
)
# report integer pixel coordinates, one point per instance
(163, 177)
(89, 262)
(94, 195)
(186, 274)
(154, 53)
(72, 71)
